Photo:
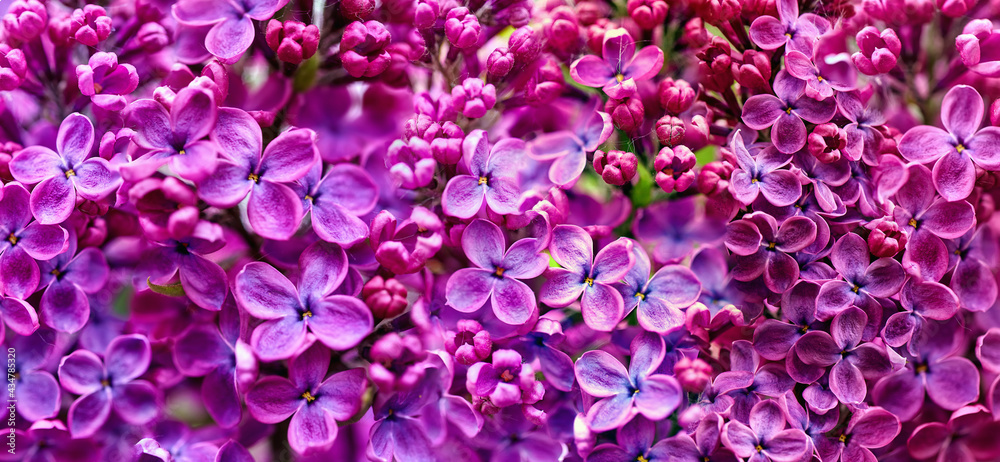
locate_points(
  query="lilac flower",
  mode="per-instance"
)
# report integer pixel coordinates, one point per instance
(175, 441)
(203, 280)
(218, 354)
(976, 46)
(773, 339)
(920, 210)
(766, 438)
(863, 139)
(870, 428)
(813, 424)
(673, 227)
(24, 242)
(635, 440)
(504, 382)
(799, 33)
(851, 361)
(786, 111)
(403, 248)
(723, 299)
(289, 311)
(824, 77)
(974, 254)
(704, 446)
(568, 149)
(37, 392)
(63, 176)
(958, 148)
(749, 380)
(762, 176)
(583, 274)
(863, 279)
(969, 434)
(624, 394)
(658, 299)
(620, 68)
(542, 344)
(336, 200)
(498, 275)
(314, 401)
(106, 82)
(762, 247)
(491, 179)
(273, 209)
(49, 440)
(176, 135)
(920, 300)
(111, 384)
(823, 176)
(69, 278)
(232, 30)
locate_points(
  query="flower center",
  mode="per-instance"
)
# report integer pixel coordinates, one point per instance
(589, 281)
(960, 148)
(759, 448)
(640, 295)
(921, 368)
(755, 181)
(181, 151)
(484, 181)
(842, 438)
(55, 272)
(620, 77)
(309, 397)
(253, 177)
(819, 78)
(105, 383)
(308, 198)
(307, 314)
(788, 110)
(771, 245)
(12, 239)
(98, 88)
(506, 376)
(499, 272)
(856, 288)
(640, 458)
(913, 222)
(70, 173)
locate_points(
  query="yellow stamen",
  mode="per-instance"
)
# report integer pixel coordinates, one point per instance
(70, 173)
(620, 77)
(307, 314)
(856, 288)
(98, 88)
(842, 438)
(506, 376)
(309, 397)
(499, 272)
(253, 177)
(788, 110)
(755, 180)
(641, 459)
(309, 198)
(913, 222)
(771, 245)
(921, 368)
(12, 239)
(182, 152)
(105, 383)
(819, 78)
(589, 281)
(640, 295)
(55, 272)
(483, 180)
(759, 448)
(960, 148)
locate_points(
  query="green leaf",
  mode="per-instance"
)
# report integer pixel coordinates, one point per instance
(642, 192)
(305, 75)
(172, 290)
(706, 154)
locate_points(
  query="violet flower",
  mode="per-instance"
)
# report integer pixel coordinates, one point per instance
(290, 311)
(110, 384)
(635, 442)
(766, 438)
(863, 279)
(336, 200)
(498, 275)
(705, 445)
(620, 68)
(176, 135)
(750, 380)
(25, 241)
(37, 392)
(674, 227)
(232, 30)
(203, 280)
(625, 393)
(958, 148)
(870, 428)
(505, 381)
(798, 32)
(786, 111)
(762, 247)
(62, 176)
(68, 278)
(583, 274)
(973, 256)
(864, 140)
(568, 148)
(274, 210)
(823, 78)
(762, 175)
(920, 300)
(491, 180)
(773, 339)
(106, 82)
(969, 434)
(658, 299)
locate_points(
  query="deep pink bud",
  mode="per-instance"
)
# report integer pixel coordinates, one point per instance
(715, 65)
(879, 51)
(627, 114)
(411, 163)
(546, 84)
(826, 142)
(293, 41)
(7, 151)
(885, 239)
(462, 28)
(751, 9)
(955, 8)
(716, 12)
(647, 13)
(670, 130)
(676, 96)
(675, 168)
(499, 63)
(13, 67)
(754, 72)
(356, 10)
(714, 177)
(525, 45)
(395, 361)
(152, 37)
(25, 20)
(562, 30)
(595, 35)
(386, 298)
(362, 49)
(589, 12)
(616, 167)
(693, 374)
(695, 34)
(469, 343)
(971, 41)
(91, 25)
(474, 97)
(426, 13)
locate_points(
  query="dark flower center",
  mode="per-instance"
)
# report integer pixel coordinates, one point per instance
(589, 281)
(960, 148)
(498, 272)
(506, 376)
(309, 397)
(307, 314)
(484, 181)
(12, 239)
(640, 295)
(759, 448)
(70, 173)
(771, 245)
(253, 177)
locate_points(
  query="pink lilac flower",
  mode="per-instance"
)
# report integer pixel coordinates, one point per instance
(203, 280)
(795, 32)
(568, 149)
(68, 279)
(26, 242)
(176, 135)
(491, 181)
(785, 112)
(766, 438)
(658, 299)
(232, 29)
(106, 82)
(621, 67)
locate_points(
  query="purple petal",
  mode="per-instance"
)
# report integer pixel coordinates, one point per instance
(834, 297)
(739, 438)
(88, 413)
(568, 168)
(658, 396)
(64, 307)
(469, 288)
(274, 210)
(273, 399)
(762, 111)
(954, 176)
(239, 137)
(561, 289)
(38, 395)
(788, 133)
(340, 322)
(193, 114)
(610, 413)
(524, 261)
(227, 185)
(21, 276)
(646, 63)
(780, 271)
(984, 148)
(76, 138)
(743, 237)
(874, 428)
(278, 338)
(773, 339)
(137, 402)
(127, 358)
(503, 196)
(513, 301)
(53, 200)
(204, 282)
(230, 38)
(334, 223)
(613, 261)
(818, 348)
(34, 164)
(289, 156)
(974, 284)
(200, 350)
(850, 256)
(233, 452)
(923, 144)
(95, 179)
(483, 243)
(768, 32)
(221, 397)
(152, 124)
(463, 196)
(884, 278)
(311, 427)
(349, 186)
(602, 307)
(781, 187)
(572, 248)
(81, 372)
(264, 292)
(592, 71)
(962, 111)
(341, 394)
(19, 315)
(787, 445)
(899, 329)
(953, 383)
(795, 234)
(847, 383)
(600, 374)
(197, 162)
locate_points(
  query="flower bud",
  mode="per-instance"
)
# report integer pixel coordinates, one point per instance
(595, 35)
(717, 12)
(474, 97)
(675, 168)
(152, 37)
(885, 239)
(356, 10)
(754, 72)
(751, 9)
(411, 163)
(469, 343)
(462, 28)
(879, 51)
(955, 8)
(447, 147)
(90, 25)
(386, 298)
(714, 177)
(695, 34)
(562, 30)
(647, 13)
(362, 49)
(676, 96)
(293, 41)
(616, 167)
(589, 12)
(499, 63)
(426, 13)
(525, 45)
(627, 114)
(25, 20)
(670, 130)
(969, 42)
(7, 151)
(715, 66)
(546, 84)
(827, 142)
(395, 361)
(13, 68)
(693, 374)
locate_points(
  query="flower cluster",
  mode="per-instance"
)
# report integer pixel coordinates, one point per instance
(584, 231)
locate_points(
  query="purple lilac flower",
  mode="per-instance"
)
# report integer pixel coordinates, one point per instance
(110, 384)
(863, 139)
(867, 429)
(583, 274)
(674, 227)
(203, 280)
(635, 440)
(491, 180)
(232, 29)
(542, 344)
(958, 148)
(823, 78)
(786, 111)
(498, 275)
(773, 339)
(761, 247)
(704, 445)
(921, 300)
(314, 401)
(290, 311)
(972, 256)
(49, 440)
(766, 438)
(568, 148)
(620, 68)
(750, 381)
(762, 174)
(26, 241)
(68, 279)
(273, 209)
(658, 299)
(175, 135)
(623, 394)
(36, 391)
(863, 279)
(106, 82)
(336, 200)
(969, 434)
(62, 176)
(504, 382)
(796, 32)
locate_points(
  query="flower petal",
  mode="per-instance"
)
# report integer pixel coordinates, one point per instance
(340, 322)
(274, 210)
(962, 111)
(34, 164)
